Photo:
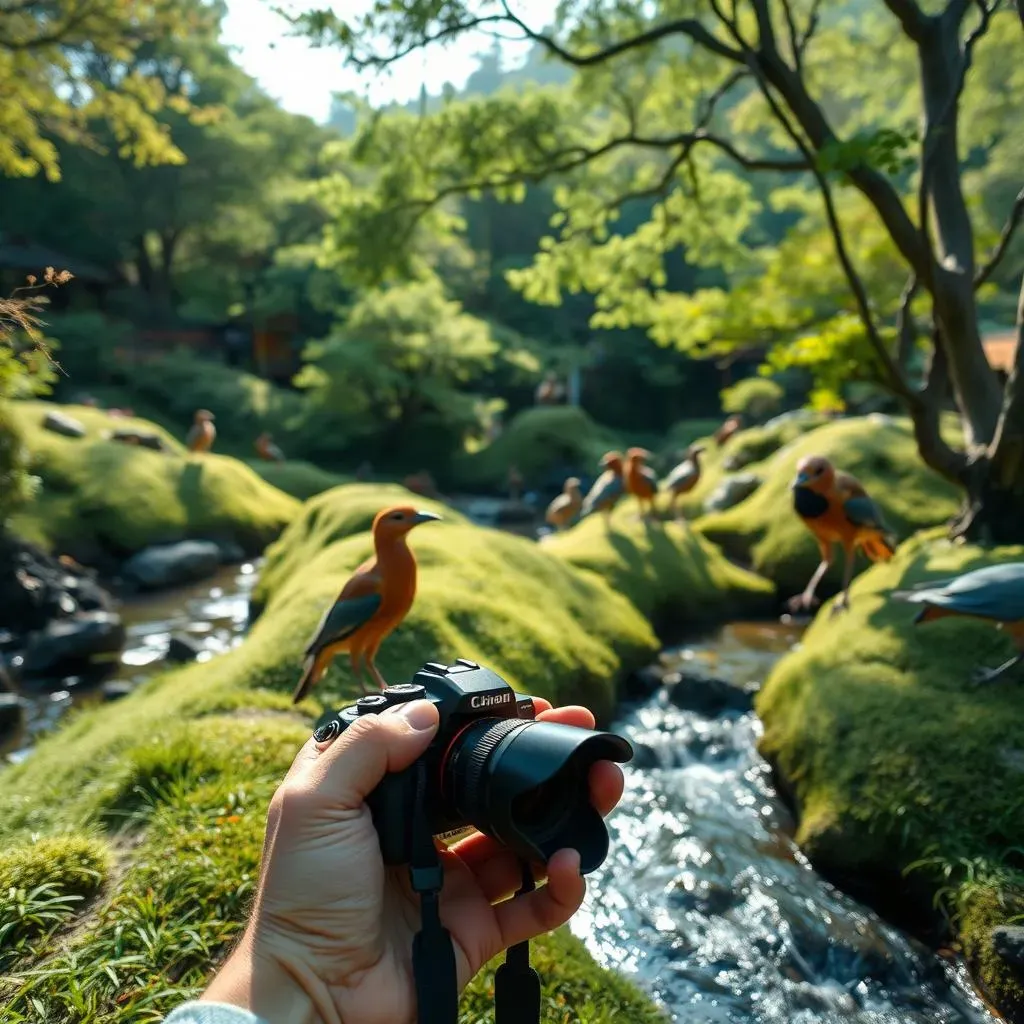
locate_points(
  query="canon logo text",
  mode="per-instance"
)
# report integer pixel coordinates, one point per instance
(487, 700)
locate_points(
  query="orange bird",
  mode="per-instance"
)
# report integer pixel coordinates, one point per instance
(836, 509)
(727, 429)
(266, 449)
(203, 433)
(607, 489)
(372, 603)
(685, 476)
(641, 481)
(565, 509)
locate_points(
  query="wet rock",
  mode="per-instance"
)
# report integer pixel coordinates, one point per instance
(166, 565)
(510, 512)
(1008, 942)
(183, 648)
(61, 423)
(142, 438)
(8, 641)
(12, 713)
(116, 689)
(731, 491)
(707, 695)
(67, 647)
(230, 552)
(643, 682)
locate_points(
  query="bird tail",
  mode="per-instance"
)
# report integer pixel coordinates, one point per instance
(311, 672)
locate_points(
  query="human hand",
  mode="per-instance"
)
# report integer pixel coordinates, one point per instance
(331, 932)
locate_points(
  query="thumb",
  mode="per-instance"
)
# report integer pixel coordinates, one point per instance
(352, 766)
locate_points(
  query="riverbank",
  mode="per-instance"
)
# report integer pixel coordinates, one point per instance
(909, 780)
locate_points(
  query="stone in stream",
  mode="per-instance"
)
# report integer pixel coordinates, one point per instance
(1008, 942)
(115, 689)
(731, 491)
(68, 646)
(61, 423)
(643, 682)
(230, 552)
(183, 648)
(166, 565)
(12, 713)
(707, 695)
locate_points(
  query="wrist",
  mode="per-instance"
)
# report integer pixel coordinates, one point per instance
(276, 986)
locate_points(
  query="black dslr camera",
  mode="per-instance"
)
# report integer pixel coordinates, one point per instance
(491, 766)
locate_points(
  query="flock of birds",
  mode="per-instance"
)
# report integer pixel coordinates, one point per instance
(203, 433)
(834, 506)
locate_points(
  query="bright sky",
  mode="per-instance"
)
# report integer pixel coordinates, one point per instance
(302, 77)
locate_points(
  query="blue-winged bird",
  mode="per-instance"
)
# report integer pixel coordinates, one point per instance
(995, 593)
(684, 477)
(837, 510)
(608, 487)
(565, 509)
(372, 603)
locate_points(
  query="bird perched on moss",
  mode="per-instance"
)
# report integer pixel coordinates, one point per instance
(640, 480)
(372, 603)
(685, 477)
(837, 510)
(608, 487)
(731, 426)
(267, 450)
(202, 433)
(995, 593)
(565, 509)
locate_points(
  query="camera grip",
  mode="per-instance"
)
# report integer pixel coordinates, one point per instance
(391, 805)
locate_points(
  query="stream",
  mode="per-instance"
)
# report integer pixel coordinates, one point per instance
(704, 900)
(708, 904)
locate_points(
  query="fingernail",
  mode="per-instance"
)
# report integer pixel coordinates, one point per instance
(420, 714)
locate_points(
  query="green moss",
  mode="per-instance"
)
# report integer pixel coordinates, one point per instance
(766, 532)
(667, 570)
(302, 480)
(895, 759)
(100, 496)
(982, 906)
(540, 442)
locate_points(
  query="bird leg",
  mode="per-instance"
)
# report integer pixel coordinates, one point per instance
(843, 601)
(374, 671)
(990, 675)
(805, 601)
(355, 658)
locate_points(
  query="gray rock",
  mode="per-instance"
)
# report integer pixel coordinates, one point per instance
(142, 438)
(707, 695)
(61, 423)
(643, 682)
(183, 648)
(12, 713)
(731, 491)
(1008, 942)
(67, 647)
(230, 552)
(165, 565)
(116, 689)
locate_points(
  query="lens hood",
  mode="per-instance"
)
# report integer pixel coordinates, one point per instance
(537, 790)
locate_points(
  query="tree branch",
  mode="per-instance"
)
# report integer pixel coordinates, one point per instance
(997, 254)
(377, 61)
(906, 328)
(910, 16)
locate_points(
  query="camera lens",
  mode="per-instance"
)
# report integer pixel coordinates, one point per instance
(526, 783)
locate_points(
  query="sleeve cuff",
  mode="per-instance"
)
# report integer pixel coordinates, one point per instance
(211, 1013)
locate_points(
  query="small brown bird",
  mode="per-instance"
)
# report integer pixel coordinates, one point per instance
(203, 433)
(608, 488)
(374, 601)
(837, 510)
(685, 477)
(565, 509)
(731, 426)
(267, 450)
(641, 481)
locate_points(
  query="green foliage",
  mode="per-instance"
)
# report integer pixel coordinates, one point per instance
(102, 498)
(859, 720)
(396, 374)
(765, 531)
(87, 344)
(17, 485)
(301, 480)
(755, 397)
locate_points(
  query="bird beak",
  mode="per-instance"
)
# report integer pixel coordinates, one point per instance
(425, 517)
(801, 480)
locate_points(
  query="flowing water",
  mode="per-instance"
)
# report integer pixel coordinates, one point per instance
(708, 904)
(212, 614)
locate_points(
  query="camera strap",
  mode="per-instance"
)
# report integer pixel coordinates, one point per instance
(516, 983)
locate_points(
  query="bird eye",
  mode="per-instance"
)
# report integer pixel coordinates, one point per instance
(398, 515)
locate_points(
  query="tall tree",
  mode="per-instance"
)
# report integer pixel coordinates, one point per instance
(672, 99)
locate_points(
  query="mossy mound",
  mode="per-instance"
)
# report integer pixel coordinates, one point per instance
(102, 498)
(302, 480)
(899, 764)
(672, 574)
(765, 532)
(545, 444)
(187, 764)
(330, 517)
